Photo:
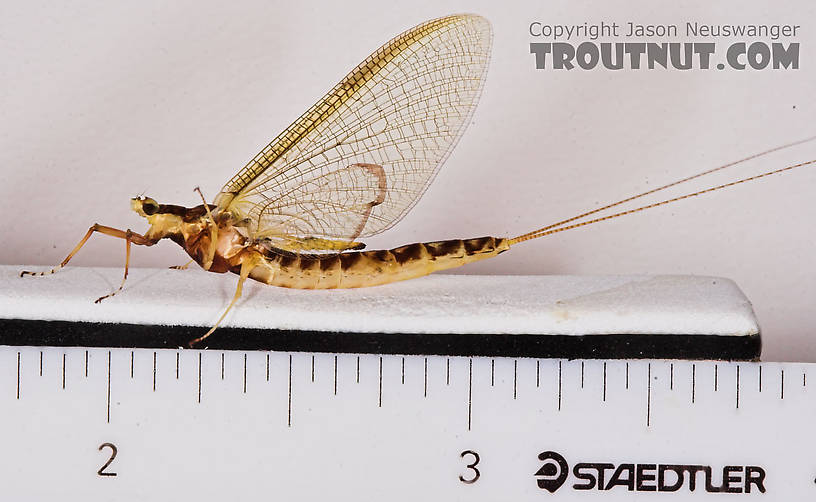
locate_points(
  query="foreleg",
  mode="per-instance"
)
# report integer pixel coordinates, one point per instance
(113, 232)
(128, 235)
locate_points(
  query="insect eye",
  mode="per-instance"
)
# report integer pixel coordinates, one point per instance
(149, 207)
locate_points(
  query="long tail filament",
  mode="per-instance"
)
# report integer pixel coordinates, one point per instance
(559, 226)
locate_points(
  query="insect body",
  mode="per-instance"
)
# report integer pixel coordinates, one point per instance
(351, 167)
(236, 253)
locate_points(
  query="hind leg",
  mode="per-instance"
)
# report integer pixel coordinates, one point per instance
(247, 264)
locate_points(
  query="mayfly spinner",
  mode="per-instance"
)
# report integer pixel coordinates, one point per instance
(350, 167)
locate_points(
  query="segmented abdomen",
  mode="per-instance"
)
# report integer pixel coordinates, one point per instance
(356, 269)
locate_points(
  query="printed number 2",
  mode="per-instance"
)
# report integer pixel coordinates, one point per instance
(471, 466)
(101, 470)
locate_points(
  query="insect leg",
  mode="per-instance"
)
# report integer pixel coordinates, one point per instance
(113, 232)
(182, 267)
(246, 267)
(128, 239)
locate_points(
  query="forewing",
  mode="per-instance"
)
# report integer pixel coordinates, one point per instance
(358, 160)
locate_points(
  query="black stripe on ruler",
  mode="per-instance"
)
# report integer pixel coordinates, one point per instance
(19, 332)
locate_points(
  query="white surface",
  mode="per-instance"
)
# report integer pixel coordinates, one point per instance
(564, 305)
(102, 101)
(387, 438)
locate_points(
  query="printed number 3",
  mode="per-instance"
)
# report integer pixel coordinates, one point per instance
(101, 470)
(471, 466)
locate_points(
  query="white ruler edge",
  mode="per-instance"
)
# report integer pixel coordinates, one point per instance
(561, 305)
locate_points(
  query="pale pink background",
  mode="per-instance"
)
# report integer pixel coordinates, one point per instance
(101, 101)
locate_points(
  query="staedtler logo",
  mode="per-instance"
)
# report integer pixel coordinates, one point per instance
(553, 473)
(648, 477)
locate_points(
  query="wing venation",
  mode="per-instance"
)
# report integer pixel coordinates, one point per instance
(357, 161)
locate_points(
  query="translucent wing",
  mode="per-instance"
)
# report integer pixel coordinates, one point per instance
(357, 161)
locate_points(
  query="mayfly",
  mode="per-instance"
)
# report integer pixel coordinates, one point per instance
(351, 167)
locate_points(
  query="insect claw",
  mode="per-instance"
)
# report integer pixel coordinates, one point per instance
(182, 267)
(192, 343)
(52, 271)
(99, 300)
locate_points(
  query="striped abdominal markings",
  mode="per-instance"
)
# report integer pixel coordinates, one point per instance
(355, 269)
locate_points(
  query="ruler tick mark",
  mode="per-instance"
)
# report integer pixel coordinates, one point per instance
(470, 390)
(245, 371)
(199, 377)
(335, 375)
(492, 372)
(86, 364)
(40, 363)
(109, 385)
(604, 382)
(537, 373)
(313, 358)
(379, 398)
(738, 385)
(289, 410)
(63, 370)
(671, 376)
(582, 374)
(515, 377)
(716, 377)
(782, 385)
(18, 375)
(760, 378)
(627, 375)
(154, 371)
(447, 371)
(177, 365)
(693, 381)
(131, 364)
(267, 367)
(222, 366)
(426, 378)
(804, 379)
(649, 395)
(559, 385)
(358, 369)
(403, 370)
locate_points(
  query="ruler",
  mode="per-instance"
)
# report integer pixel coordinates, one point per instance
(144, 424)
(513, 316)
